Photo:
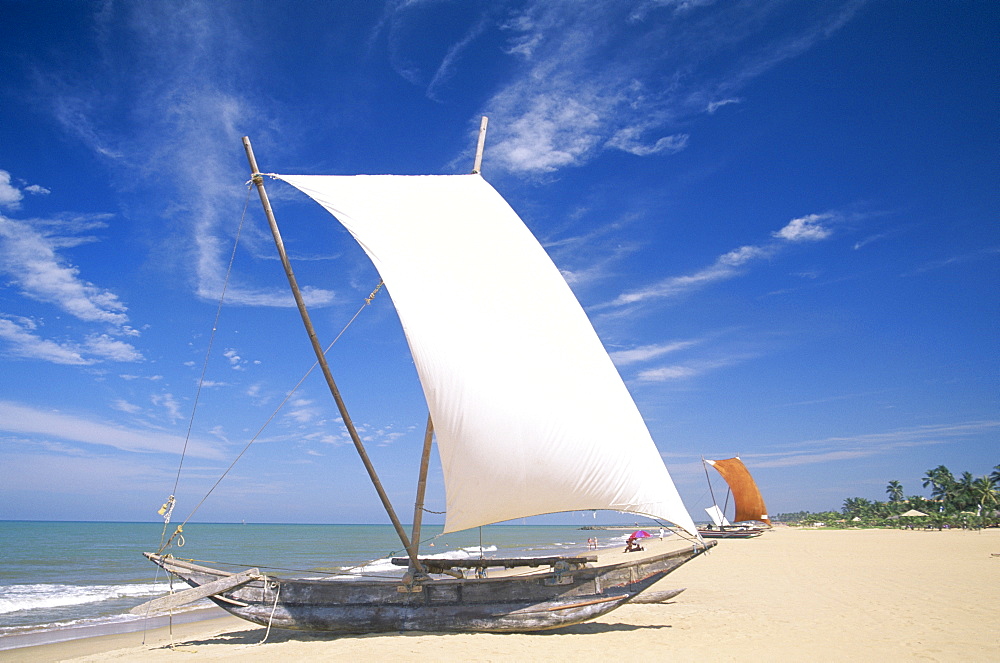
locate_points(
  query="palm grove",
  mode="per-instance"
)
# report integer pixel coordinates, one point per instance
(966, 501)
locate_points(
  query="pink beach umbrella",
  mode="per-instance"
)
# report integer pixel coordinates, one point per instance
(640, 534)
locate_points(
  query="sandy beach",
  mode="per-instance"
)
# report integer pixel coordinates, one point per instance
(790, 595)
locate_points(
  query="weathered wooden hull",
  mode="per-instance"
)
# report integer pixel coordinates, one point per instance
(730, 533)
(511, 603)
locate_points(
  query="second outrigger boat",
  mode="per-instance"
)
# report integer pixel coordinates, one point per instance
(749, 503)
(514, 372)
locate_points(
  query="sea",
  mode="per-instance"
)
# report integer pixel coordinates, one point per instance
(60, 580)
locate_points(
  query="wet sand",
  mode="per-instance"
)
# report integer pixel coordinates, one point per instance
(790, 595)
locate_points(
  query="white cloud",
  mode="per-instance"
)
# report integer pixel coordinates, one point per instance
(553, 130)
(236, 362)
(729, 264)
(30, 259)
(743, 255)
(105, 347)
(614, 76)
(985, 253)
(446, 68)
(627, 140)
(716, 105)
(169, 404)
(667, 373)
(648, 352)
(123, 405)
(23, 342)
(723, 268)
(806, 229)
(689, 369)
(10, 195)
(810, 452)
(183, 126)
(26, 420)
(302, 411)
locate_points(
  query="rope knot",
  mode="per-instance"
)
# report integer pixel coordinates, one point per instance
(167, 509)
(371, 297)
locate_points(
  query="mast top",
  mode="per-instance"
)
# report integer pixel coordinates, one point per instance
(477, 166)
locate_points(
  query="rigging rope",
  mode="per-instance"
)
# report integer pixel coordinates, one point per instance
(277, 593)
(368, 300)
(167, 510)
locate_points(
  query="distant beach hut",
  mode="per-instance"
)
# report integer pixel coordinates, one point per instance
(912, 513)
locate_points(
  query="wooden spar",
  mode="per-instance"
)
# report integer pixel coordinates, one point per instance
(505, 562)
(478, 164)
(171, 601)
(709, 479)
(418, 503)
(258, 180)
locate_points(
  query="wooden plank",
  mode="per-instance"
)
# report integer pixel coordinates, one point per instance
(177, 599)
(506, 562)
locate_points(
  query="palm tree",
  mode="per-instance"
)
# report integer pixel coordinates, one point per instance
(856, 507)
(985, 493)
(941, 482)
(995, 476)
(895, 491)
(962, 492)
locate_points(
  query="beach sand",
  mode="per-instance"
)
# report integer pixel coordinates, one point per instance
(790, 595)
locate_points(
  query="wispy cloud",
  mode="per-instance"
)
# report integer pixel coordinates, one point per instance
(11, 194)
(806, 229)
(45, 424)
(446, 69)
(985, 253)
(716, 105)
(630, 78)
(689, 369)
(730, 264)
(649, 352)
(831, 449)
(31, 259)
(179, 130)
(22, 341)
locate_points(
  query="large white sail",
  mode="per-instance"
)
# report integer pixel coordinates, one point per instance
(530, 414)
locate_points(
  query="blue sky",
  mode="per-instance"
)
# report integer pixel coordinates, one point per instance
(781, 218)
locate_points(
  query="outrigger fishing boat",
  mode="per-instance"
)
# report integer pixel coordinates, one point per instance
(530, 416)
(749, 503)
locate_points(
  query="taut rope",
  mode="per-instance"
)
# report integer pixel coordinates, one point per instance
(168, 506)
(180, 528)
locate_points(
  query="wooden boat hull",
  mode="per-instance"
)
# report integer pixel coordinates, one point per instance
(504, 604)
(730, 533)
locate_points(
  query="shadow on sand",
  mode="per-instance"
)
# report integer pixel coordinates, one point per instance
(277, 636)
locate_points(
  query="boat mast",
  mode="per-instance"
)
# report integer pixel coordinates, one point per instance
(258, 180)
(478, 163)
(710, 491)
(418, 506)
(418, 503)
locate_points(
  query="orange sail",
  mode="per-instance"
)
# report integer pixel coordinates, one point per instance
(749, 502)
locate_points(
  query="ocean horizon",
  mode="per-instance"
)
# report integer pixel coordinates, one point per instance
(58, 576)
